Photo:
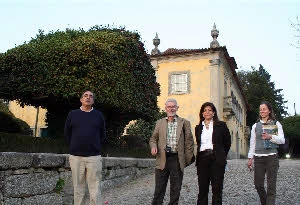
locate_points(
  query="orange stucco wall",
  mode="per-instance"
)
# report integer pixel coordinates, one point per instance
(189, 104)
(29, 115)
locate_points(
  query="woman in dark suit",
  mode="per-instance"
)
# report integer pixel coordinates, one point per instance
(213, 143)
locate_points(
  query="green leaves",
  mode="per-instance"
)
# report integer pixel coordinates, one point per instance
(53, 69)
(257, 87)
(59, 185)
(291, 126)
(111, 62)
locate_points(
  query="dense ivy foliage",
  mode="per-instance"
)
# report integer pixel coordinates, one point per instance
(52, 70)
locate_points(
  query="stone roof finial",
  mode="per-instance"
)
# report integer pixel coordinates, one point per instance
(156, 42)
(214, 34)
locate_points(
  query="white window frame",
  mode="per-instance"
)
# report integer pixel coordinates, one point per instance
(179, 82)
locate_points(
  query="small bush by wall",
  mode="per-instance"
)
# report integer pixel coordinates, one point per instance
(21, 143)
(10, 124)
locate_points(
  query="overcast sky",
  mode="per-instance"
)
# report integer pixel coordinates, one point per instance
(254, 31)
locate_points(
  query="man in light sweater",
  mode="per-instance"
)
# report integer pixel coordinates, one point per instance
(85, 132)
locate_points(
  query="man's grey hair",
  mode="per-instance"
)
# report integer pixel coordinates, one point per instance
(171, 100)
(94, 96)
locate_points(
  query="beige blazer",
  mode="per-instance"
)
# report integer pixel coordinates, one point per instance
(184, 138)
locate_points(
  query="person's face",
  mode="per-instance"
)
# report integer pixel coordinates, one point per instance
(208, 113)
(87, 99)
(264, 111)
(171, 109)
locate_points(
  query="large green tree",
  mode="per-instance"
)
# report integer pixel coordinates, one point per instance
(258, 87)
(53, 69)
(291, 127)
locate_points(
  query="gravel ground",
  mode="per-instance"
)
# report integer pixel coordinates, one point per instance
(238, 187)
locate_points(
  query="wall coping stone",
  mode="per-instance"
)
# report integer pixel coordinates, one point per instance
(31, 178)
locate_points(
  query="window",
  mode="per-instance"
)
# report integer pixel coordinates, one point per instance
(43, 132)
(179, 82)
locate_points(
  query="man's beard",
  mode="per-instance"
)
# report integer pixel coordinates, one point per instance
(172, 114)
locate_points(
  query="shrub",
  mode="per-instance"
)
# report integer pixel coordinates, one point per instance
(10, 124)
(113, 151)
(12, 142)
(21, 143)
(142, 129)
(134, 141)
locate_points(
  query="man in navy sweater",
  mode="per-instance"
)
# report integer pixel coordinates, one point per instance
(85, 132)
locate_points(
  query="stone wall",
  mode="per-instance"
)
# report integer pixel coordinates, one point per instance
(42, 178)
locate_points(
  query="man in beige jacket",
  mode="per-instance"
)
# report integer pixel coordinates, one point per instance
(173, 145)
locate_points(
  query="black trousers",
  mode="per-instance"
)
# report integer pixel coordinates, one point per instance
(172, 170)
(209, 171)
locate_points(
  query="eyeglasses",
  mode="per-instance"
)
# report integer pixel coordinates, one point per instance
(171, 107)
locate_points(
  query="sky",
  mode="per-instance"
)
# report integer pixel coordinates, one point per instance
(253, 31)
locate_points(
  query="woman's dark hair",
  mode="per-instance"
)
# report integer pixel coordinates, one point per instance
(270, 107)
(215, 117)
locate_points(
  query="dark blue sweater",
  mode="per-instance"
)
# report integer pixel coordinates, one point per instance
(85, 132)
